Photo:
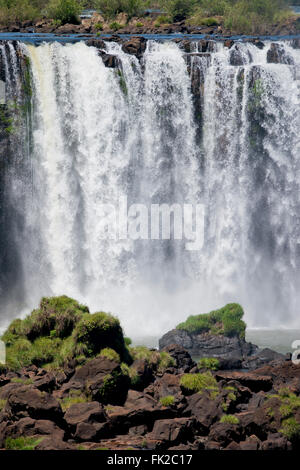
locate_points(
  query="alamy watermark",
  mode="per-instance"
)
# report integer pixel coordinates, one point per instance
(156, 222)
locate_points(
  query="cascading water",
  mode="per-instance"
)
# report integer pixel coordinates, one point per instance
(152, 132)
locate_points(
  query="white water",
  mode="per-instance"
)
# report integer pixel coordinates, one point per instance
(93, 142)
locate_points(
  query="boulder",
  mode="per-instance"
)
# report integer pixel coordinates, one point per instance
(173, 431)
(205, 411)
(250, 380)
(184, 362)
(47, 383)
(224, 433)
(102, 378)
(54, 443)
(262, 357)
(90, 413)
(144, 374)
(135, 46)
(28, 401)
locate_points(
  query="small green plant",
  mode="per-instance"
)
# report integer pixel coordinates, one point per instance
(167, 401)
(210, 363)
(21, 443)
(291, 429)
(98, 26)
(2, 404)
(115, 26)
(75, 396)
(18, 380)
(139, 24)
(110, 354)
(199, 382)
(231, 419)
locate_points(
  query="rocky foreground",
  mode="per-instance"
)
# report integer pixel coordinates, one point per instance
(233, 410)
(73, 382)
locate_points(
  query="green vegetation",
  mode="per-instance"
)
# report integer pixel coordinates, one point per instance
(2, 404)
(291, 429)
(75, 396)
(22, 443)
(193, 383)
(64, 11)
(210, 363)
(110, 354)
(227, 321)
(159, 361)
(62, 329)
(115, 26)
(111, 8)
(167, 401)
(231, 419)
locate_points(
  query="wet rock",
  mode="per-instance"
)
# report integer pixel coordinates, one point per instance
(135, 46)
(109, 60)
(263, 357)
(98, 43)
(278, 55)
(239, 56)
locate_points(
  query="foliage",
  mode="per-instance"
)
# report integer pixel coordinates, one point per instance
(159, 361)
(65, 11)
(2, 404)
(75, 396)
(62, 329)
(231, 419)
(291, 429)
(21, 443)
(14, 11)
(169, 400)
(199, 382)
(111, 8)
(115, 26)
(178, 10)
(210, 363)
(226, 321)
(110, 354)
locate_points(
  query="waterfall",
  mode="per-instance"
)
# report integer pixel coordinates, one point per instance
(218, 127)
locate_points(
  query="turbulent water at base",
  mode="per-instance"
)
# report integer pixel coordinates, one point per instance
(153, 133)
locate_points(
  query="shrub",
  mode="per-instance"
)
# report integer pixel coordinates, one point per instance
(66, 11)
(209, 363)
(291, 429)
(111, 8)
(60, 330)
(167, 401)
(21, 443)
(193, 383)
(99, 331)
(159, 361)
(227, 321)
(98, 27)
(178, 9)
(115, 26)
(110, 354)
(162, 19)
(231, 419)
(14, 11)
(75, 396)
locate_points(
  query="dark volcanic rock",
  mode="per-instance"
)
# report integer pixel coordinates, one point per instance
(208, 345)
(173, 431)
(92, 412)
(184, 362)
(29, 401)
(135, 46)
(253, 381)
(262, 357)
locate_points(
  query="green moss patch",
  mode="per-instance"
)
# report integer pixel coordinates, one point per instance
(227, 321)
(22, 443)
(231, 419)
(193, 383)
(62, 329)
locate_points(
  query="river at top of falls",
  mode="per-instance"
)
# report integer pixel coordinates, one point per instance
(99, 135)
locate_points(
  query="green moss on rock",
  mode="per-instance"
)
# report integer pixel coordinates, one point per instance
(226, 321)
(62, 329)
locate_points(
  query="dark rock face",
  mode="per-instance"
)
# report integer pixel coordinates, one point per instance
(184, 362)
(207, 345)
(277, 55)
(135, 46)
